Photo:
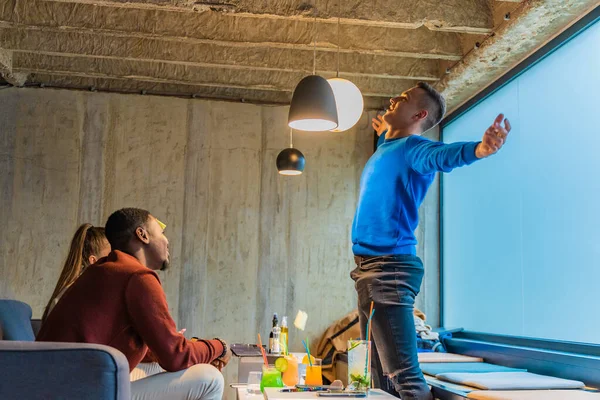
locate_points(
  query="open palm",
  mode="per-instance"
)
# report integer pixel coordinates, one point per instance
(493, 138)
(379, 125)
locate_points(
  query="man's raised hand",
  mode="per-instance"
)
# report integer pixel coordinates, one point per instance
(379, 125)
(493, 138)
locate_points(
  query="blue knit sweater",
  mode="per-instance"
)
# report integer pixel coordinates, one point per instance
(392, 187)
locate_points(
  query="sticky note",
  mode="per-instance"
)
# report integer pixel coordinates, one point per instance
(300, 321)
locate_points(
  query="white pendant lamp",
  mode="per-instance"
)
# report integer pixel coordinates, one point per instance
(349, 103)
(348, 98)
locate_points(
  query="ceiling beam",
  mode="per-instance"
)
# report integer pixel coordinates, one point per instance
(232, 29)
(56, 41)
(511, 44)
(120, 85)
(7, 9)
(184, 74)
(175, 41)
(449, 15)
(6, 69)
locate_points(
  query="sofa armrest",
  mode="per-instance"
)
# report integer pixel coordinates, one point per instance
(44, 370)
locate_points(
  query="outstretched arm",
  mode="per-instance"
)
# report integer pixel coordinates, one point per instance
(427, 157)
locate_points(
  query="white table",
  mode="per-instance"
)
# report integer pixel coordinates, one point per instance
(242, 394)
(275, 394)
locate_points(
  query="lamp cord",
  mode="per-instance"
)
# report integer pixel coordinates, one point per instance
(291, 144)
(338, 42)
(315, 47)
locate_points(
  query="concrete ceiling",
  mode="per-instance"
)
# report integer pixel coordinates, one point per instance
(257, 50)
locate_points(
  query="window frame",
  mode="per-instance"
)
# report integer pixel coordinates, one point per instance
(572, 360)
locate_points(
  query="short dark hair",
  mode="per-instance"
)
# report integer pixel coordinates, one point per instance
(435, 105)
(121, 225)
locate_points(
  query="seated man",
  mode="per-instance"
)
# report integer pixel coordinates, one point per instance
(119, 302)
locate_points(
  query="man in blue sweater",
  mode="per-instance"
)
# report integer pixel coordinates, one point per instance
(393, 185)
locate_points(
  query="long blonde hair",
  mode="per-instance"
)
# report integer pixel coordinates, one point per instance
(87, 241)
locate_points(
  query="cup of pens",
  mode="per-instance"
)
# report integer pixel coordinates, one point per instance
(359, 364)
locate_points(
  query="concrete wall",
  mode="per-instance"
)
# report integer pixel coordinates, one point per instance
(245, 242)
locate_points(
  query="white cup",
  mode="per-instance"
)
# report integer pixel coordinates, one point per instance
(301, 374)
(254, 378)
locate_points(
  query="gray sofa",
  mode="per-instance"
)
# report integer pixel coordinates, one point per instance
(37, 370)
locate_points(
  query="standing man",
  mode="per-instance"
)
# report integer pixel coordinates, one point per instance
(393, 185)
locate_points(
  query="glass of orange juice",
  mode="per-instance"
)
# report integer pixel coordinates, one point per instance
(290, 375)
(314, 376)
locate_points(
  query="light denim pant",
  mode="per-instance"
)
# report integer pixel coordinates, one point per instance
(392, 283)
(201, 381)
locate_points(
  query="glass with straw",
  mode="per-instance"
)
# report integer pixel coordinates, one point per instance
(359, 368)
(271, 375)
(314, 373)
(288, 364)
(359, 360)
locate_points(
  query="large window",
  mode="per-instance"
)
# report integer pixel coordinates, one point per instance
(521, 230)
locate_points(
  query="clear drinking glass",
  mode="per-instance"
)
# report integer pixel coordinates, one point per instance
(314, 374)
(302, 374)
(254, 378)
(359, 364)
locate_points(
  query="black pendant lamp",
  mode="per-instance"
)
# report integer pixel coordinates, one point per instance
(290, 161)
(313, 105)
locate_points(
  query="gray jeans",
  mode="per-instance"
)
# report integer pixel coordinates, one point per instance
(392, 283)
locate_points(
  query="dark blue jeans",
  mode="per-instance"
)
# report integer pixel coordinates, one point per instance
(392, 283)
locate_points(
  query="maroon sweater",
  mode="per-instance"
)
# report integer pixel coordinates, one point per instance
(120, 303)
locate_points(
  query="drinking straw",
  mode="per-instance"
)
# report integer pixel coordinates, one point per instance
(305, 343)
(369, 322)
(284, 347)
(262, 351)
(368, 358)
(369, 325)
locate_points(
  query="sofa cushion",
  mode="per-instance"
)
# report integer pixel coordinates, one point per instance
(533, 395)
(435, 369)
(15, 318)
(446, 357)
(510, 381)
